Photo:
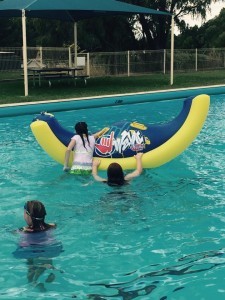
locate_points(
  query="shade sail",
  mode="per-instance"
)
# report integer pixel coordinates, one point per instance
(70, 10)
(66, 10)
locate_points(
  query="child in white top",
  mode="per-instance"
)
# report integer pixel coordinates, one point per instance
(83, 146)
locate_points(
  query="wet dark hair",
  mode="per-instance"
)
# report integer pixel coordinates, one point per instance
(82, 129)
(36, 210)
(115, 174)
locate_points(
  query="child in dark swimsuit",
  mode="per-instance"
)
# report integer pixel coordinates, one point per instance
(37, 243)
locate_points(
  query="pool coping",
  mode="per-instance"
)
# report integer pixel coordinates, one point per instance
(25, 108)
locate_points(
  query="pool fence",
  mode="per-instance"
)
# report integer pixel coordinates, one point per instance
(101, 64)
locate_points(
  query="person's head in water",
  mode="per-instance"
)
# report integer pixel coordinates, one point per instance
(115, 174)
(34, 214)
(81, 129)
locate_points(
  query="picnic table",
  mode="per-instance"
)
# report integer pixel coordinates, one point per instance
(58, 73)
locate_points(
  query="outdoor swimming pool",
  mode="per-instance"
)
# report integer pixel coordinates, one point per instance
(161, 237)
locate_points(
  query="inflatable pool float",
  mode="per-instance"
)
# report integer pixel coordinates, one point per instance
(160, 143)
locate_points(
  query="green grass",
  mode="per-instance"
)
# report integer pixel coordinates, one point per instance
(13, 91)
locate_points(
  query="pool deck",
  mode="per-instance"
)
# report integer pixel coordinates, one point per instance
(26, 108)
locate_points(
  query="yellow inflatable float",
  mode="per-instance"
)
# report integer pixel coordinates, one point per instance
(160, 143)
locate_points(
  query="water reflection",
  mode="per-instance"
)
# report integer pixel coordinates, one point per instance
(142, 285)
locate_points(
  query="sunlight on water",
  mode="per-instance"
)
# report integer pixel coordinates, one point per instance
(161, 237)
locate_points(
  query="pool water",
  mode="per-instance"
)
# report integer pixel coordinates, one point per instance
(161, 237)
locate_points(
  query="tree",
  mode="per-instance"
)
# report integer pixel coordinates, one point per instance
(214, 31)
(209, 35)
(106, 34)
(189, 38)
(156, 28)
(10, 33)
(116, 33)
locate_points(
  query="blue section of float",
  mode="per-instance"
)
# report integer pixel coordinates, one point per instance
(61, 133)
(8, 111)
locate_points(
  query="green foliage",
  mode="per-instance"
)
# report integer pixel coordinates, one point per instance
(10, 33)
(220, 40)
(210, 35)
(118, 33)
(106, 34)
(156, 28)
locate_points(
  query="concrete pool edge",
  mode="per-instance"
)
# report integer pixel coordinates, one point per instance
(9, 110)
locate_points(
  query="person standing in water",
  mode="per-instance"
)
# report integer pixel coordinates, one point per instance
(37, 244)
(115, 174)
(83, 146)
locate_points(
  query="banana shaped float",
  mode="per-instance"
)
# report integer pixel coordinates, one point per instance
(120, 142)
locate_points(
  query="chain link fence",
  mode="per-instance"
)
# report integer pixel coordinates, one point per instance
(101, 64)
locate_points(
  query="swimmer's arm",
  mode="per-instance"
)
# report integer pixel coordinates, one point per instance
(52, 225)
(67, 155)
(139, 168)
(25, 229)
(100, 133)
(95, 165)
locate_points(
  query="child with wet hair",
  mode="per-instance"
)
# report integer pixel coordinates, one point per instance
(82, 144)
(37, 244)
(34, 215)
(115, 174)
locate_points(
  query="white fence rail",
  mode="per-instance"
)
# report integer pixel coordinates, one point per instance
(100, 64)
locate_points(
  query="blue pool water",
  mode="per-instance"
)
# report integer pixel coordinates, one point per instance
(161, 237)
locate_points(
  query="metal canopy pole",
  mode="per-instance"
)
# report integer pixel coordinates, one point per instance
(25, 73)
(172, 51)
(75, 44)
